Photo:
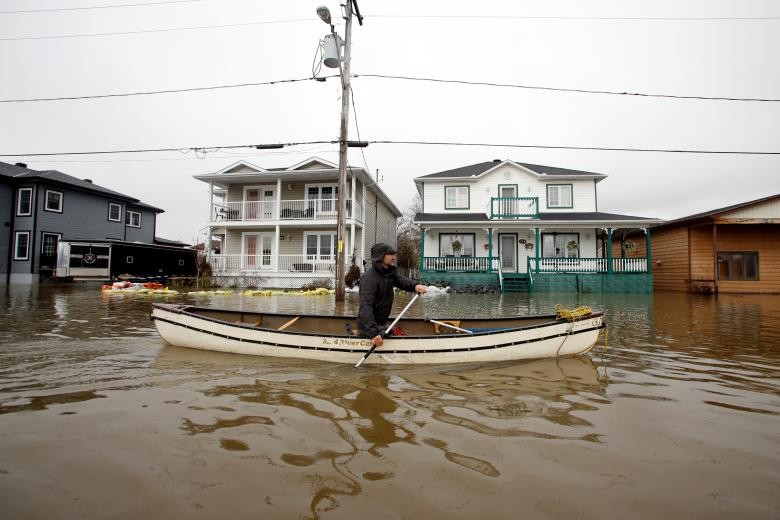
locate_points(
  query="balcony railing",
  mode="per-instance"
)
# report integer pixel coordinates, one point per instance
(234, 264)
(588, 265)
(514, 207)
(317, 209)
(462, 264)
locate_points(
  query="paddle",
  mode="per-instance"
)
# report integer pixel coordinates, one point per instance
(385, 333)
(450, 326)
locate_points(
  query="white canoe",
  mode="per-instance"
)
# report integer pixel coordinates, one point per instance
(331, 338)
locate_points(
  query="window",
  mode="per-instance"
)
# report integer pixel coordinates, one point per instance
(326, 194)
(114, 212)
(53, 201)
(22, 245)
(24, 202)
(559, 196)
(456, 197)
(320, 246)
(133, 218)
(740, 265)
(448, 244)
(560, 245)
(129, 260)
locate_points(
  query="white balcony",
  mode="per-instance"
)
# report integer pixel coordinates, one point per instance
(279, 264)
(288, 210)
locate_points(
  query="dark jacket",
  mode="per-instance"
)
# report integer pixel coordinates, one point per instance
(376, 297)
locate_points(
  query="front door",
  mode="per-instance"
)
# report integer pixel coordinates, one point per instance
(49, 243)
(260, 204)
(507, 250)
(508, 207)
(258, 251)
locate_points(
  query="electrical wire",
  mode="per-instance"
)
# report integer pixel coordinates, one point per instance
(316, 70)
(169, 91)
(144, 4)
(560, 89)
(584, 18)
(201, 149)
(357, 128)
(147, 31)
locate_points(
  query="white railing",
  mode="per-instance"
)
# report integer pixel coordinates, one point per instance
(588, 265)
(315, 209)
(223, 264)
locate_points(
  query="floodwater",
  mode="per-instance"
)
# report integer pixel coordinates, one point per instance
(676, 414)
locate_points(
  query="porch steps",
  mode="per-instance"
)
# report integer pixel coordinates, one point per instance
(516, 282)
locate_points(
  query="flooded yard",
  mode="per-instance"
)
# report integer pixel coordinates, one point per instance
(674, 414)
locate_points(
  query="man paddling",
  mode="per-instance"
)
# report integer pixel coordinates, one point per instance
(376, 291)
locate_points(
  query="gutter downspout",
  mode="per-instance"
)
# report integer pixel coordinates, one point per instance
(34, 229)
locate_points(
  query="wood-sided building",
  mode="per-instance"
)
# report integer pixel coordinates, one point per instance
(728, 250)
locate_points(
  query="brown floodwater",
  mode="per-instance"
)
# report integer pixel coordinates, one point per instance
(675, 414)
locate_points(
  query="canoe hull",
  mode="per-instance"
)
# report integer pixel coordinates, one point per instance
(556, 338)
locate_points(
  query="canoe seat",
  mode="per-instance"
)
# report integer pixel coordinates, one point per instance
(437, 326)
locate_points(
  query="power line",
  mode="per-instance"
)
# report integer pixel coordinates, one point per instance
(561, 89)
(387, 76)
(585, 18)
(145, 31)
(211, 149)
(100, 7)
(169, 91)
(555, 147)
(357, 128)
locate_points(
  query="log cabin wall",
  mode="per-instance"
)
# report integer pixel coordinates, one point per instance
(671, 268)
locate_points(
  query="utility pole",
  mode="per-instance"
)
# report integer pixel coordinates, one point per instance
(343, 64)
(342, 187)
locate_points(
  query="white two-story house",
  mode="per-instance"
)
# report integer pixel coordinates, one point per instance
(277, 226)
(525, 227)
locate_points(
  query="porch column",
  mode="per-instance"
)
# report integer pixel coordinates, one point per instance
(278, 199)
(207, 245)
(276, 250)
(422, 248)
(352, 247)
(536, 248)
(490, 250)
(609, 250)
(649, 251)
(352, 197)
(363, 226)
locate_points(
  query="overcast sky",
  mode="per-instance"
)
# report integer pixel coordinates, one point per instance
(472, 41)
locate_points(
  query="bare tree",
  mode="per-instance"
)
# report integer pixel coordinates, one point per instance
(408, 236)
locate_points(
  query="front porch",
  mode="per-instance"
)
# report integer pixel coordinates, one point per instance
(534, 259)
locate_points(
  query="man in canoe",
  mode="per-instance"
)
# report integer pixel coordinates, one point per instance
(376, 291)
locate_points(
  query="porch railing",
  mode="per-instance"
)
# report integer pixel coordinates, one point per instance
(224, 264)
(514, 207)
(463, 264)
(588, 265)
(316, 209)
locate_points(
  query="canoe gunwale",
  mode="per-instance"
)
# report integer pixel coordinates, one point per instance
(185, 310)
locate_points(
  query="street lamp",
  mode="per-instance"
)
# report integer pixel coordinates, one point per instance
(324, 13)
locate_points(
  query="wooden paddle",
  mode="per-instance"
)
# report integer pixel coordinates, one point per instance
(444, 324)
(385, 333)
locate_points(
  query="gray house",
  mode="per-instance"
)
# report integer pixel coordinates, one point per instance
(40, 208)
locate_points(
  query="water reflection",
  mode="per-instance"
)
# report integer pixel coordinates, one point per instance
(680, 375)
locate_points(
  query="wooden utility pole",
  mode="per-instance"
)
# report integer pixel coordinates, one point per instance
(342, 186)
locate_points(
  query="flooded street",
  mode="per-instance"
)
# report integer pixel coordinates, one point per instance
(675, 414)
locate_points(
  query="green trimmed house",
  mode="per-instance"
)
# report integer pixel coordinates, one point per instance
(525, 227)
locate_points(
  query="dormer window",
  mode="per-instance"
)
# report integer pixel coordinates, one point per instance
(559, 196)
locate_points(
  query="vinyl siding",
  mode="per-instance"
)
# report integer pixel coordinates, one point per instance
(528, 185)
(6, 238)
(769, 209)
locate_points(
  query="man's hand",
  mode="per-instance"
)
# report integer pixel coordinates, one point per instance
(377, 340)
(420, 289)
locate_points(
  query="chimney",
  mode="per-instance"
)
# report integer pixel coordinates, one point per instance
(88, 180)
(496, 160)
(21, 165)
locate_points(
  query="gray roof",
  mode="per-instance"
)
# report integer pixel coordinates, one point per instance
(17, 172)
(480, 168)
(544, 217)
